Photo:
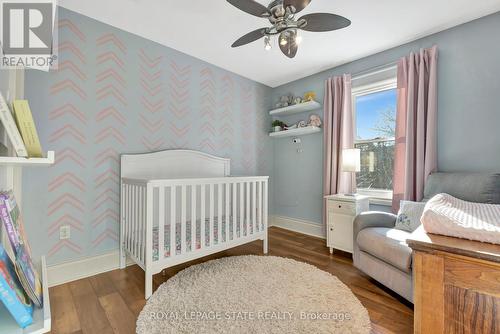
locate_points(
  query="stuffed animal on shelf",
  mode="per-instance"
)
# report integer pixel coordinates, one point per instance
(315, 120)
(309, 96)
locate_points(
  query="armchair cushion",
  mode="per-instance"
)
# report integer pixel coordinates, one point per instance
(388, 245)
(373, 219)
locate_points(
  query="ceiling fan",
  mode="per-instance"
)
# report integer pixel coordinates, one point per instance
(281, 15)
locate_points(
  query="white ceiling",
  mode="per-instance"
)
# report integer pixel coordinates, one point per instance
(206, 28)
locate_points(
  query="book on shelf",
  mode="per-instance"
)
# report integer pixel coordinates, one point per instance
(11, 128)
(26, 125)
(18, 248)
(12, 294)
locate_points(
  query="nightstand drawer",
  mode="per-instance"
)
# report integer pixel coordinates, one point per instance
(343, 208)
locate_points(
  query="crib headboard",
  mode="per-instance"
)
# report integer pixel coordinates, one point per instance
(173, 164)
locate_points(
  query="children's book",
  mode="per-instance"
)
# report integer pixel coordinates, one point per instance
(11, 128)
(26, 125)
(20, 254)
(12, 294)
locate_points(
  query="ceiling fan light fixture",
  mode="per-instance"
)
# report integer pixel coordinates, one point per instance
(283, 39)
(298, 39)
(267, 43)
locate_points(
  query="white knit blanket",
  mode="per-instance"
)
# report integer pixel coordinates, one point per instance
(447, 215)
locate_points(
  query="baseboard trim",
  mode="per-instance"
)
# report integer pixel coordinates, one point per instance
(298, 225)
(75, 270)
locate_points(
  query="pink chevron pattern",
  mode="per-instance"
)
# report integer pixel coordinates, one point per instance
(179, 108)
(152, 115)
(69, 154)
(64, 244)
(247, 129)
(65, 220)
(69, 65)
(112, 39)
(65, 23)
(99, 108)
(70, 47)
(208, 105)
(67, 134)
(109, 157)
(68, 109)
(68, 84)
(67, 178)
(225, 116)
(107, 234)
(109, 136)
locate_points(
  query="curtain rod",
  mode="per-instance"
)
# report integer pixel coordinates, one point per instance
(374, 70)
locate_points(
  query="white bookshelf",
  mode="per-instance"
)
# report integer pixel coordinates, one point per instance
(11, 178)
(41, 316)
(295, 109)
(48, 160)
(296, 132)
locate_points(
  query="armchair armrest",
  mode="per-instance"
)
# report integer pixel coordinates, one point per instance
(373, 219)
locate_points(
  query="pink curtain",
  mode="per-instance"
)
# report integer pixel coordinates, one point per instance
(416, 125)
(338, 134)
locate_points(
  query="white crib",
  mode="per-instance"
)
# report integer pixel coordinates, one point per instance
(187, 202)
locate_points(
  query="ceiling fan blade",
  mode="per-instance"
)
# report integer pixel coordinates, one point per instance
(298, 4)
(290, 48)
(250, 7)
(250, 37)
(324, 22)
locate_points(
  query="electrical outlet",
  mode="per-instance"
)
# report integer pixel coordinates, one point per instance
(64, 232)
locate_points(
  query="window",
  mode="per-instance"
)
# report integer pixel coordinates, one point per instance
(374, 107)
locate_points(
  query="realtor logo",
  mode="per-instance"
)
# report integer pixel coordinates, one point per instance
(27, 33)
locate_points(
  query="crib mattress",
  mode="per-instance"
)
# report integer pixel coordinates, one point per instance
(166, 236)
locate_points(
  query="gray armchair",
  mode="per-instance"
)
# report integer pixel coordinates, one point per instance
(381, 251)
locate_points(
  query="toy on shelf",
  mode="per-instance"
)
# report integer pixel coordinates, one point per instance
(314, 120)
(309, 96)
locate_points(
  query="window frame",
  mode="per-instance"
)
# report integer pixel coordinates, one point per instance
(377, 196)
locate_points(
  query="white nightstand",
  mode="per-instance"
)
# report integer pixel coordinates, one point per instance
(340, 213)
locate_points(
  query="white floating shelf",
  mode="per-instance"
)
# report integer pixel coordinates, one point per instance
(41, 316)
(296, 108)
(296, 132)
(18, 161)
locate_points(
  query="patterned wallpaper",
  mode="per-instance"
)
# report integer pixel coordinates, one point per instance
(117, 93)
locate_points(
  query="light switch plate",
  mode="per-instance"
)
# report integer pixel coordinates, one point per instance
(64, 232)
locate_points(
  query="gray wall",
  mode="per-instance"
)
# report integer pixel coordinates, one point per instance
(468, 121)
(118, 93)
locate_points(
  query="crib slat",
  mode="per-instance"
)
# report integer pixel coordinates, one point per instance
(259, 223)
(234, 204)
(161, 223)
(193, 218)
(226, 212)
(242, 207)
(134, 220)
(254, 206)
(142, 226)
(126, 217)
(219, 213)
(247, 208)
(143, 223)
(265, 211)
(173, 246)
(183, 219)
(211, 206)
(202, 216)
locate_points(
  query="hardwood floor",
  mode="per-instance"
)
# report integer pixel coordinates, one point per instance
(111, 302)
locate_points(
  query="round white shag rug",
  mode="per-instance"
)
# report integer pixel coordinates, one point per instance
(253, 294)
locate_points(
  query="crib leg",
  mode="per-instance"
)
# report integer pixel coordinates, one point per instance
(265, 245)
(123, 258)
(148, 285)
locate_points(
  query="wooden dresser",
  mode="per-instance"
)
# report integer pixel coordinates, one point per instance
(456, 285)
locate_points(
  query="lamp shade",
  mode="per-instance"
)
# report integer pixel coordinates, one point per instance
(351, 160)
